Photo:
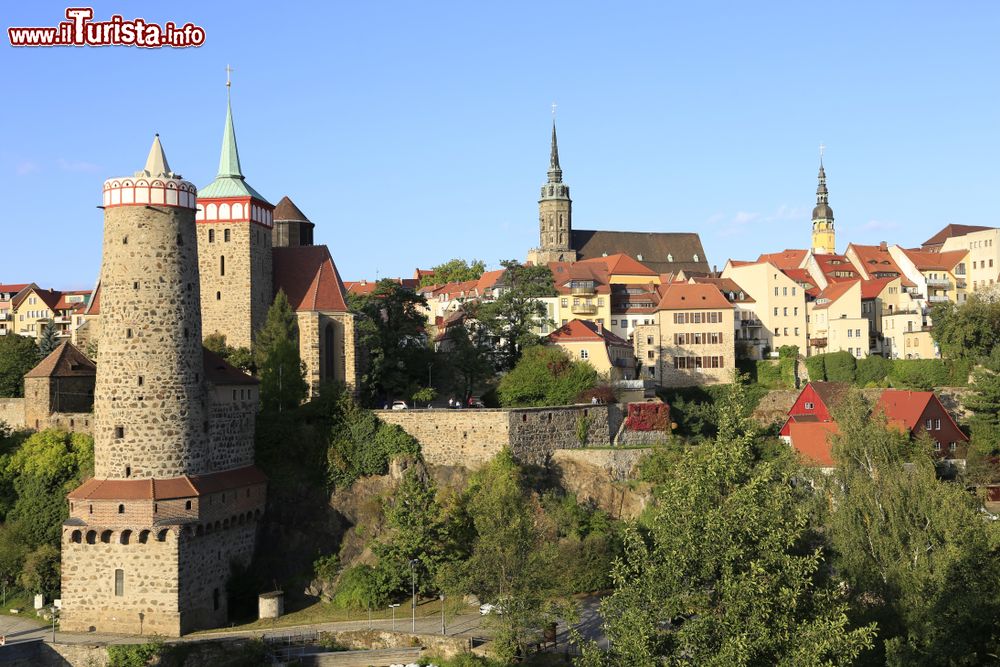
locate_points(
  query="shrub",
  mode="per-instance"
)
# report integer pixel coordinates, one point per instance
(816, 367)
(872, 370)
(648, 417)
(788, 352)
(840, 366)
(546, 376)
(361, 587)
(769, 374)
(788, 369)
(134, 655)
(602, 392)
(919, 374)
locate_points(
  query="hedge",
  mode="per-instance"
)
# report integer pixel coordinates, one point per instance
(872, 370)
(917, 374)
(777, 374)
(816, 368)
(840, 366)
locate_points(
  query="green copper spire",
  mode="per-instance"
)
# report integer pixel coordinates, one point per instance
(230, 181)
(229, 162)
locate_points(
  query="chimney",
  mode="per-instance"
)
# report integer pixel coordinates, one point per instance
(883, 246)
(600, 328)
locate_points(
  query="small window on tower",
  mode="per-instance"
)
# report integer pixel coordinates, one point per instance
(124, 240)
(185, 332)
(128, 471)
(140, 381)
(225, 235)
(121, 509)
(180, 240)
(119, 432)
(218, 296)
(135, 285)
(128, 333)
(211, 236)
(119, 583)
(222, 265)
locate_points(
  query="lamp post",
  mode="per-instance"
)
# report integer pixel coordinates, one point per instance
(443, 632)
(393, 607)
(54, 612)
(413, 590)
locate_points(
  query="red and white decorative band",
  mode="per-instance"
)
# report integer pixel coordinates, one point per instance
(152, 191)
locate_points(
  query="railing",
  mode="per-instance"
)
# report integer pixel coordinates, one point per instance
(62, 320)
(938, 298)
(939, 282)
(960, 284)
(584, 290)
(584, 309)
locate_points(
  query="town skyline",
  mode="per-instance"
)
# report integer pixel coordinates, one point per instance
(424, 153)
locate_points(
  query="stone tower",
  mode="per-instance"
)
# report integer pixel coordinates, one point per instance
(175, 496)
(291, 226)
(555, 215)
(234, 249)
(823, 233)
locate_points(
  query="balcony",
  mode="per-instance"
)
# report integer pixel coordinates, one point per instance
(62, 320)
(939, 282)
(4, 316)
(584, 309)
(582, 289)
(817, 342)
(938, 298)
(960, 284)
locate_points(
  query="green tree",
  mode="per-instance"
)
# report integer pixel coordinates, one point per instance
(48, 341)
(18, 355)
(282, 374)
(415, 533)
(468, 360)
(41, 571)
(984, 401)
(508, 566)
(728, 573)
(970, 330)
(392, 333)
(424, 395)
(546, 375)
(240, 357)
(914, 550)
(510, 320)
(454, 271)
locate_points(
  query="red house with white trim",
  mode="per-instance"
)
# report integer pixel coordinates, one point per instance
(916, 412)
(813, 405)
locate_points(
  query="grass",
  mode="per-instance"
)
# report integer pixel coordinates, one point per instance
(22, 601)
(323, 612)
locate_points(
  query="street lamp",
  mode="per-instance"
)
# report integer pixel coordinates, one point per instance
(393, 607)
(413, 589)
(54, 611)
(443, 632)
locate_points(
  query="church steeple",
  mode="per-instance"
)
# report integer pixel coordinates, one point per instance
(823, 233)
(555, 212)
(229, 161)
(555, 171)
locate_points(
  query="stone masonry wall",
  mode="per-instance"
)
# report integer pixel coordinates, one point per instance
(149, 403)
(74, 422)
(150, 586)
(232, 411)
(204, 569)
(12, 412)
(471, 438)
(454, 437)
(44, 396)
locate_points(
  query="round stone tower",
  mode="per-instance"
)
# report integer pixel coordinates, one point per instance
(149, 403)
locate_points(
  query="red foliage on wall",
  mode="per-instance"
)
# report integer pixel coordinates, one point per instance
(648, 417)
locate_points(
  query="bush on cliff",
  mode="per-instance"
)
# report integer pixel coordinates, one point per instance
(546, 376)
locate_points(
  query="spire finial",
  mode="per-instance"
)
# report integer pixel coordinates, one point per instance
(229, 162)
(229, 71)
(555, 171)
(554, 105)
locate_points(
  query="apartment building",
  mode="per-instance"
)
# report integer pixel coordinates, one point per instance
(939, 276)
(610, 355)
(692, 341)
(7, 294)
(837, 323)
(983, 261)
(777, 300)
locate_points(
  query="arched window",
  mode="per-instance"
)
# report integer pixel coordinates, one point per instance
(162, 535)
(224, 212)
(212, 212)
(143, 536)
(121, 509)
(237, 211)
(329, 352)
(76, 536)
(91, 536)
(106, 537)
(125, 537)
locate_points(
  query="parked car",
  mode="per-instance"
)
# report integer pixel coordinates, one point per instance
(476, 402)
(400, 405)
(488, 608)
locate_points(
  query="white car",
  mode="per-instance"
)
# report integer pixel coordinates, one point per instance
(488, 608)
(400, 405)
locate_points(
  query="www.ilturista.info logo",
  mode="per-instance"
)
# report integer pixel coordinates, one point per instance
(79, 30)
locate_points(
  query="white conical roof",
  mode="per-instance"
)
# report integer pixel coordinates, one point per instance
(156, 163)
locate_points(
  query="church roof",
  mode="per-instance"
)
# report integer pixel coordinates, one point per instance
(229, 182)
(64, 361)
(662, 252)
(309, 278)
(287, 210)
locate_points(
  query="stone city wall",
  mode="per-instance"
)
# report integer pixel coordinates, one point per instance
(470, 438)
(12, 412)
(232, 411)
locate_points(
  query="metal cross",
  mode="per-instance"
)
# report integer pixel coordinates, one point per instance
(821, 149)
(554, 105)
(229, 70)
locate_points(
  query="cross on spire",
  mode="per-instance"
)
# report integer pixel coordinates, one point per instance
(229, 71)
(554, 105)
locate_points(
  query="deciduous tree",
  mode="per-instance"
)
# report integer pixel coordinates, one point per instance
(18, 355)
(546, 375)
(454, 271)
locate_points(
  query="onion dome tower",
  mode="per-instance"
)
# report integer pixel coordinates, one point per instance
(555, 214)
(823, 233)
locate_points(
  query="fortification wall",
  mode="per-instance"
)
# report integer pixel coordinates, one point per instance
(470, 438)
(204, 569)
(75, 422)
(454, 437)
(12, 412)
(232, 411)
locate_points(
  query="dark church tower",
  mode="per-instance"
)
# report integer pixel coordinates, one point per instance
(555, 215)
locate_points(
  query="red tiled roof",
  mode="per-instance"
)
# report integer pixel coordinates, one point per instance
(741, 262)
(220, 372)
(833, 292)
(489, 280)
(904, 408)
(874, 259)
(64, 361)
(872, 288)
(166, 489)
(812, 441)
(563, 273)
(936, 261)
(622, 264)
(49, 297)
(309, 278)
(94, 307)
(828, 264)
(581, 331)
(786, 259)
(13, 289)
(63, 304)
(802, 277)
(950, 231)
(684, 296)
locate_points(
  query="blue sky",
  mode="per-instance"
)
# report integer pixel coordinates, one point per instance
(411, 132)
